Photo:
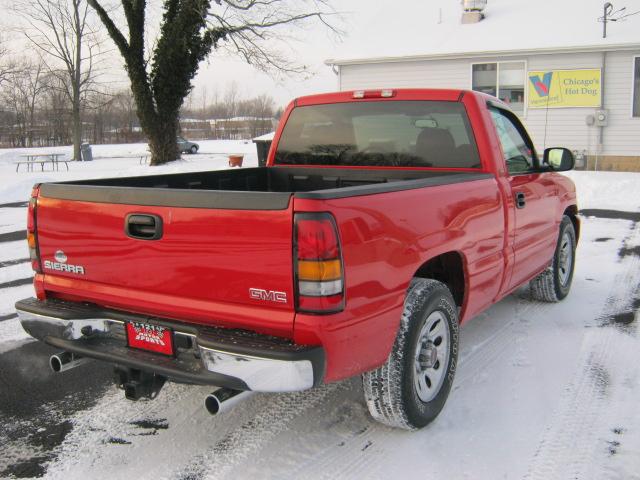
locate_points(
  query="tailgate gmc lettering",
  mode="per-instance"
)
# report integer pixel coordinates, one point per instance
(267, 296)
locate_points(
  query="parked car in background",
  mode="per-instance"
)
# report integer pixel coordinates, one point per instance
(186, 146)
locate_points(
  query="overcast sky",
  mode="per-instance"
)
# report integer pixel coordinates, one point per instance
(373, 28)
(315, 44)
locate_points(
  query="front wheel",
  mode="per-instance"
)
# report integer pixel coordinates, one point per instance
(410, 389)
(554, 283)
(193, 150)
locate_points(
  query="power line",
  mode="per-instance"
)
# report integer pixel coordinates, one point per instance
(613, 16)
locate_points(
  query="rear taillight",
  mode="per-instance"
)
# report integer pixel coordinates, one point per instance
(318, 264)
(32, 236)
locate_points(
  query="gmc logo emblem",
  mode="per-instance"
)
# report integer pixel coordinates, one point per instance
(267, 296)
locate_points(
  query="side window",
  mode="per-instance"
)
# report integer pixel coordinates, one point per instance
(519, 154)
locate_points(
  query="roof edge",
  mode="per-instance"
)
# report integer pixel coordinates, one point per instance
(484, 53)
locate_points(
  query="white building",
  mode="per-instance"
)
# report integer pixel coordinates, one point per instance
(547, 58)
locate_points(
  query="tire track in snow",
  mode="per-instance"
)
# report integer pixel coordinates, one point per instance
(11, 263)
(569, 447)
(358, 454)
(13, 236)
(362, 453)
(495, 347)
(16, 283)
(14, 205)
(347, 459)
(362, 459)
(240, 443)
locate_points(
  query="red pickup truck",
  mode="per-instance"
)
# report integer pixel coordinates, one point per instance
(383, 220)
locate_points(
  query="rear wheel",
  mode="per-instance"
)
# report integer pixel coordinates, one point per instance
(410, 389)
(554, 283)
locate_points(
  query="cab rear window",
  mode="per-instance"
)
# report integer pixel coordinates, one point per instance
(389, 133)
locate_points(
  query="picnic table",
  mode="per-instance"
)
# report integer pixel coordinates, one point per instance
(42, 158)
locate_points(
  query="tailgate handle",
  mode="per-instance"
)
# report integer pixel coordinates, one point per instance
(143, 226)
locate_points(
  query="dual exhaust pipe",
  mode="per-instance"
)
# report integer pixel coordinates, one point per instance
(217, 402)
(223, 400)
(63, 361)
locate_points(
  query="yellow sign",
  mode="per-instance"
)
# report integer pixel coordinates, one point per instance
(564, 88)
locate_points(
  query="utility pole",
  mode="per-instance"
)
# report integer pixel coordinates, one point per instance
(608, 8)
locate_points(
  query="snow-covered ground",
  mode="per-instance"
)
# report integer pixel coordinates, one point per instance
(543, 391)
(113, 161)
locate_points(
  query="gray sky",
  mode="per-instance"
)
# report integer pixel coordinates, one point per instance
(373, 28)
(315, 43)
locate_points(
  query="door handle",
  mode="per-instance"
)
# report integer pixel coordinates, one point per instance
(520, 200)
(143, 226)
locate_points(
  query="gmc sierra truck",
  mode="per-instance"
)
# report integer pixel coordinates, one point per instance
(382, 222)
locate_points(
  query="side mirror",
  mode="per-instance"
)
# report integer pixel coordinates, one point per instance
(559, 159)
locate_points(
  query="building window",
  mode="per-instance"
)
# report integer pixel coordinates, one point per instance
(636, 87)
(505, 80)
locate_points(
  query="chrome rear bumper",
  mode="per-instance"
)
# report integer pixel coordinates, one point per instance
(204, 355)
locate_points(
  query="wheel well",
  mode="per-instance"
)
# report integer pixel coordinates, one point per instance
(572, 212)
(448, 269)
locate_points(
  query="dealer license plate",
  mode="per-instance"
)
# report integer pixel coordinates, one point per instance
(150, 337)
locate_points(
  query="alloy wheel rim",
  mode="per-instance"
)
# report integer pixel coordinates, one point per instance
(565, 259)
(431, 357)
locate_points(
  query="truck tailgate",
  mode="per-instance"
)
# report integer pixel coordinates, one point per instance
(212, 266)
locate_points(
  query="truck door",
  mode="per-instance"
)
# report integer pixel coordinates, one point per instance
(535, 198)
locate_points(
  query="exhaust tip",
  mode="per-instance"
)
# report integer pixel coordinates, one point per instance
(55, 363)
(63, 361)
(212, 404)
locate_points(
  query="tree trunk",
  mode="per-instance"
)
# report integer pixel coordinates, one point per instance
(161, 130)
(77, 84)
(77, 128)
(163, 142)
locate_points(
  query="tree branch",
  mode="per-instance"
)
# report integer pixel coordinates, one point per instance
(113, 31)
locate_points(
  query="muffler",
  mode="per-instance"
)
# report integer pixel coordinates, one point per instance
(223, 399)
(63, 361)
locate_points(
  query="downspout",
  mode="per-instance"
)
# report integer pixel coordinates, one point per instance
(602, 85)
(603, 76)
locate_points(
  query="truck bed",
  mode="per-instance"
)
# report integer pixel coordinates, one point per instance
(264, 188)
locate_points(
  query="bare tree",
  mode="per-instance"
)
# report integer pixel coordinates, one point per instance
(7, 65)
(56, 112)
(260, 110)
(190, 29)
(231, 100)
(62, 31)
(25, 88)
(127, 106)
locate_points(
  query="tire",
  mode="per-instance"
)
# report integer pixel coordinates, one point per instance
(554, 283)
(193, 150)
(394, 393)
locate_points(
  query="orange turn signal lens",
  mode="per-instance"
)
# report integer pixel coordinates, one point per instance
(319, 270)
(31, 240)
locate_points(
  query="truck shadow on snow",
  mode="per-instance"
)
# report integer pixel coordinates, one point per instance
(624, 316)
(36, 404)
